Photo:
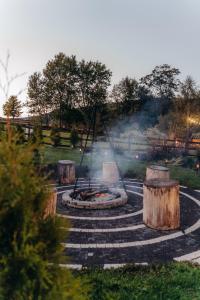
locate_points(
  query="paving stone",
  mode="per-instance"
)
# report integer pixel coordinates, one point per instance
(152, 253)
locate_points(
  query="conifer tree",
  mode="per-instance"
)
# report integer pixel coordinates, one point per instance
(30, 247)
(12, 107)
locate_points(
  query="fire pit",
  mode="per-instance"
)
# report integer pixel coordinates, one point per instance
(95, 198)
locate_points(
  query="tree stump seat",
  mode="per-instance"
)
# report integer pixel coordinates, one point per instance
(157, 172)
(161, 207)
(66, 171)
(110, 172)
(50, 209)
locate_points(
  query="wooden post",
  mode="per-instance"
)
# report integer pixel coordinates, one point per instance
(66, 171)
(154, 172)
(129, 143)
(110, 172)
(161, 207)
(50, 209)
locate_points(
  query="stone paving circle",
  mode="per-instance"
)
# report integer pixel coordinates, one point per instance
(117, 236)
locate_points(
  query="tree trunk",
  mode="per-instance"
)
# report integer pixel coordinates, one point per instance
(66, 171)
(60, 116)
(110, 172)
(159, 172)
(161, 207)
(50, 209)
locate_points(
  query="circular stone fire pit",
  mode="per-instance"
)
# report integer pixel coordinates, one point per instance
(90, 198)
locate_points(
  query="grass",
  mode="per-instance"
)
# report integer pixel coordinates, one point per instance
(131, 168)
(172, 281)
(62, 134)
(185, 176)
(51, 155)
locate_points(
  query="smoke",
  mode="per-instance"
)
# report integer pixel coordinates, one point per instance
(101, 152)
(125, 142)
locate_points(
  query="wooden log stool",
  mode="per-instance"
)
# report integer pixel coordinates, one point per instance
(161, 207)
(110, 172)
(66, 171)
(50, 209)
(154, 171)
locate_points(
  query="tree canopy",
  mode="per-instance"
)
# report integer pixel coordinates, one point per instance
(126, 95)
(12, 107)
(162, 81)
(67, 90)
(183, 118)
(65, 84)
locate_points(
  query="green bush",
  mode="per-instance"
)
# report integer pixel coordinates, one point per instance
(188, 162)
(36, 135)
(186, 177)
(21, 134)
(2, 127)
(74, 138)
(55, 137)
(30, 244)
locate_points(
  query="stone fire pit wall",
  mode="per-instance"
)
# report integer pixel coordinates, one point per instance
(68, 201)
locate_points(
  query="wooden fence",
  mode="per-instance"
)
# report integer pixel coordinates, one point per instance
(129, 144)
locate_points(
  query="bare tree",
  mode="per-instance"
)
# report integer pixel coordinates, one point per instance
(8, 79)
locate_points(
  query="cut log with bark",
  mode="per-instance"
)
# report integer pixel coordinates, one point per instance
(66, 171)
(110, 172)
(161, 207)
(50, 209)
(154, 172)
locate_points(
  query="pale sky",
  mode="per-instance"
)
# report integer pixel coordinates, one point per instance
(130, 36)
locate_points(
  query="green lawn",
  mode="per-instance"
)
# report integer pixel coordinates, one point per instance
(51, 155)
(62, 134)
(174, 281)
(131, 168)
(185, 176)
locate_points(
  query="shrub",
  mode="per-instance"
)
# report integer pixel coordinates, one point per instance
(74, 138)
(36, 135)
(55, 137)
(21, 134)
(2, 127)
(188, 162)
(29, 255)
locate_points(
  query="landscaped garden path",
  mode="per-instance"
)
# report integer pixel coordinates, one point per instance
(117, 236)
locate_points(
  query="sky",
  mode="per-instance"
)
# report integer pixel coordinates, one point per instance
(130, 36)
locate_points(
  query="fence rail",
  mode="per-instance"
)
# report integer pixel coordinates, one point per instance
(128, 143)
